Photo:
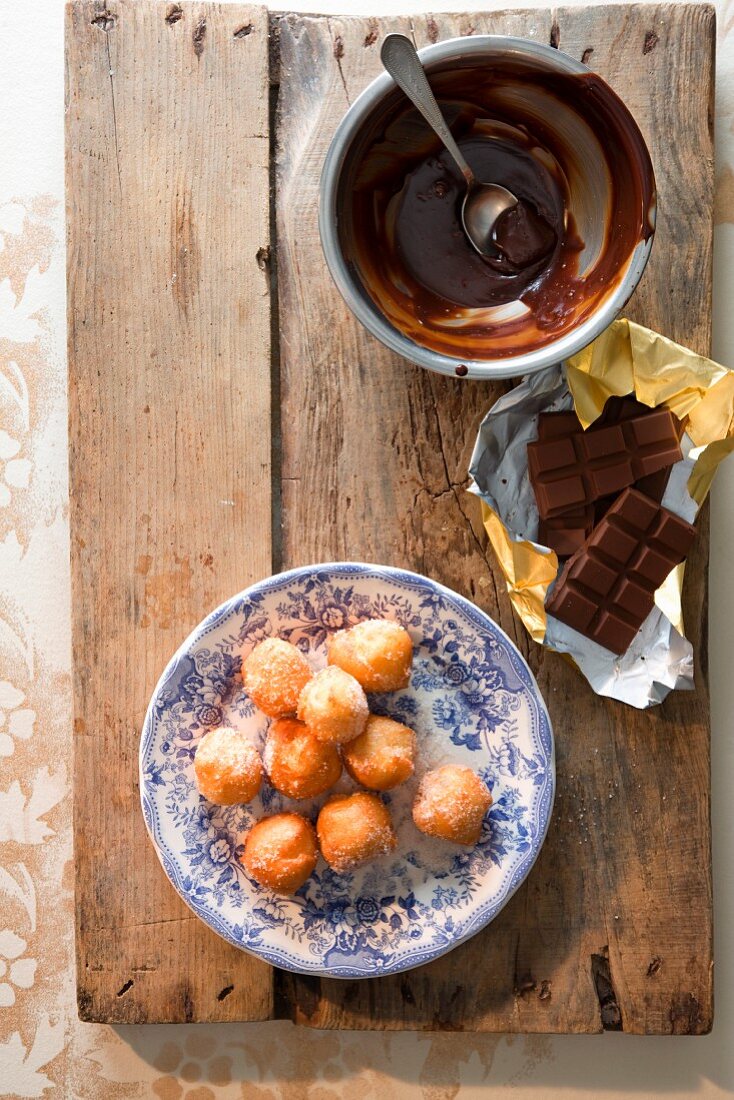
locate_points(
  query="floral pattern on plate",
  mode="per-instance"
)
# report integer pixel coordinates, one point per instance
(472, 700)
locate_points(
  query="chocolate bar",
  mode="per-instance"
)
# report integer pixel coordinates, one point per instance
(567, 532)
(607, 589)
(617, 409)
(584, 467)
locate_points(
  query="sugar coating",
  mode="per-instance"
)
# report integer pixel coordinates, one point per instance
(333, 705)
(377, 652)
(382, 757)
(451, 803)
(280, 852)
(297, 763)
(274, 674)
(354, 829)
(227, 767)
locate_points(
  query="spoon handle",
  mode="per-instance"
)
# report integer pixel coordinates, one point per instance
(400, 58)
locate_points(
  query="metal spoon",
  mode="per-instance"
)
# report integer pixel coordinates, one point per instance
(483, 202)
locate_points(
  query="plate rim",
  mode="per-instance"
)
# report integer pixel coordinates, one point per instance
(409, 962)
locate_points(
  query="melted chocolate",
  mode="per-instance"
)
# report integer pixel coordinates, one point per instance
(525, 237)
(430, 242)
(564, 144)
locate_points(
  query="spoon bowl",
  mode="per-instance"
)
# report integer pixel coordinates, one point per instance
(483, 205)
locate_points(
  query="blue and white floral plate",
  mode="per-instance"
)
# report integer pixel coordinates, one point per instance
(472, 700)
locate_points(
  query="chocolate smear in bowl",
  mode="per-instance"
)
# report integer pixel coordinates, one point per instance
(562, 142)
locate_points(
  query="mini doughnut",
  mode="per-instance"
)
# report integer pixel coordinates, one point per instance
(297, 763)
(382, 757)
(274, 674)
(227, 767)
(280, 852)
(451, 803)
(354, 829)
(378, 653)
(333, 705)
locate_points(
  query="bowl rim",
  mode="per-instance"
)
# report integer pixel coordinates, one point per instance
(368, 313)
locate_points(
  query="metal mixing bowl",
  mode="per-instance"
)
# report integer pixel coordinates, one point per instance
(589, 204)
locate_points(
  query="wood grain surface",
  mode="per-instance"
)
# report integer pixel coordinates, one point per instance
(612, 930)
(170, 315)
(169, 388)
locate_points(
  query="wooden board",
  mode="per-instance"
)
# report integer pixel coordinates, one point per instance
(169, 375)
(613, 927)
(170, 424)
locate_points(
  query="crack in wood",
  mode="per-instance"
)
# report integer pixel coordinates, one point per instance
(298, 996)
(651, 41)
(140, 924)
(338, 52)
(609, 1010)
(114, 114)
(685, 1016)
(407, 993)
(85, 1005)
(276, 428)
(654, 966)
(197, 37)
(189, 1009)
(525, 986)
(105, 20)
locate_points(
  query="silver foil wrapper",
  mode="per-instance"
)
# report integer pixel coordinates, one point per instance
(660, 657)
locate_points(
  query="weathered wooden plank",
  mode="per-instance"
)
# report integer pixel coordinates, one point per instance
(613, 928)
(169, 381)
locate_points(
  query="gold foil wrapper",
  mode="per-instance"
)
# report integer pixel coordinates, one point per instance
(626, 358)
(528, 572)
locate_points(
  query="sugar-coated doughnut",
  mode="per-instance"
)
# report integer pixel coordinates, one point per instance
(227, 767)
(354, 829)
(280, 852)
(382, 757)
(378, 653)
(333, 705)
(274, 674)
(451, 803)
(297, 763)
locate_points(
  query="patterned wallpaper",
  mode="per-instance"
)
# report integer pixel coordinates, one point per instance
(44, 1050)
